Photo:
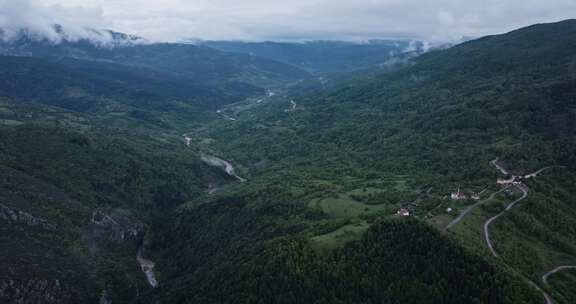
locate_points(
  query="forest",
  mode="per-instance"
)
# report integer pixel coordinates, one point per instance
(327, 172)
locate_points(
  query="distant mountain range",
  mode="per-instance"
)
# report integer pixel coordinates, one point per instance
(112, 56)
(326, 57)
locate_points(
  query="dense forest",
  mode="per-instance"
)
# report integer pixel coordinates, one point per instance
(107, 160)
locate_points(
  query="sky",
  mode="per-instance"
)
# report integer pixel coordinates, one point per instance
(282, 20)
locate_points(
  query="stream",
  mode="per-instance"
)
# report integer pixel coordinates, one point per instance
(147, 267)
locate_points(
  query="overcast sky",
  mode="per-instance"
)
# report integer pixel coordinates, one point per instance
(173, 20)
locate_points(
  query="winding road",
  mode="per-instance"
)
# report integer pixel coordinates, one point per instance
(535, 174)
(500, 168)
(488, 241)
(555, 270)
(470, 208)
(524, 190)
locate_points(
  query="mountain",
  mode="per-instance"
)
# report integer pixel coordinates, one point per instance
(120, 183)
(324, 57)
(407, 139)
(202, 65)
(120, 74)
(18, 37)
(86, 85)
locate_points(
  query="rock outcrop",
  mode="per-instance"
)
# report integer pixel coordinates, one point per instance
(122, 230)
(17, 216)
(117, 229)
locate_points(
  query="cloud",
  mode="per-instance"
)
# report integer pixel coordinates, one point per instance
(40, 20)
(172, 20)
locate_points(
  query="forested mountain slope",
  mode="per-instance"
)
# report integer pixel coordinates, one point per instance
(88, 86)
(360, 152)
(324, 57)
(199, 65)
(328, 176)
(448, 108)
(77, 201)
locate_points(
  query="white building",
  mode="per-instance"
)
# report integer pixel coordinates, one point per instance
(458, 196)
(403, 212)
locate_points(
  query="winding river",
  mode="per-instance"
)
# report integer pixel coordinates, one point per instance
(223, 164)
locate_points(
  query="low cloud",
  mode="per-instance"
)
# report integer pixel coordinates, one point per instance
(41, 20)
(173, 20)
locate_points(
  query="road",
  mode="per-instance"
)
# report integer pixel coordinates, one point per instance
(524, 189)
(230, 110)
(500, 168)
(555, 270)
(487, 239)
(221, 112)
(535, 174)
(470, 208)
(293, 106)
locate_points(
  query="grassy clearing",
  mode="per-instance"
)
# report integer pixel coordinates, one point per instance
(345, 207)
(340, 237)
(440, 221)
(365, 191)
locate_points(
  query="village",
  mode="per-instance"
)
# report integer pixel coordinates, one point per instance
(459, 195)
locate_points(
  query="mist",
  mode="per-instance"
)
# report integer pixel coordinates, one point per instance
(296, 20)
(52, 22)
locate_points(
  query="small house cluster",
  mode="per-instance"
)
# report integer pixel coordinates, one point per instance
(460, 196)
(509, 180)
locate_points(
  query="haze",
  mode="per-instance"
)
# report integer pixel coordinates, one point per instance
(295, 20)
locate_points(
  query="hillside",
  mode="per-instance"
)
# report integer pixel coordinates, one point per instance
(112, 160)
(201, 65)
(362, 151)
(324, 57)
(469, 97)
(55, 184)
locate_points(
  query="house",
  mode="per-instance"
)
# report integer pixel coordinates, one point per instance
(458, 196)
(403, 212)
(507, 181)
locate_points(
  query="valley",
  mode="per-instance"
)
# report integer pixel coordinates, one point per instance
(182, 173)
